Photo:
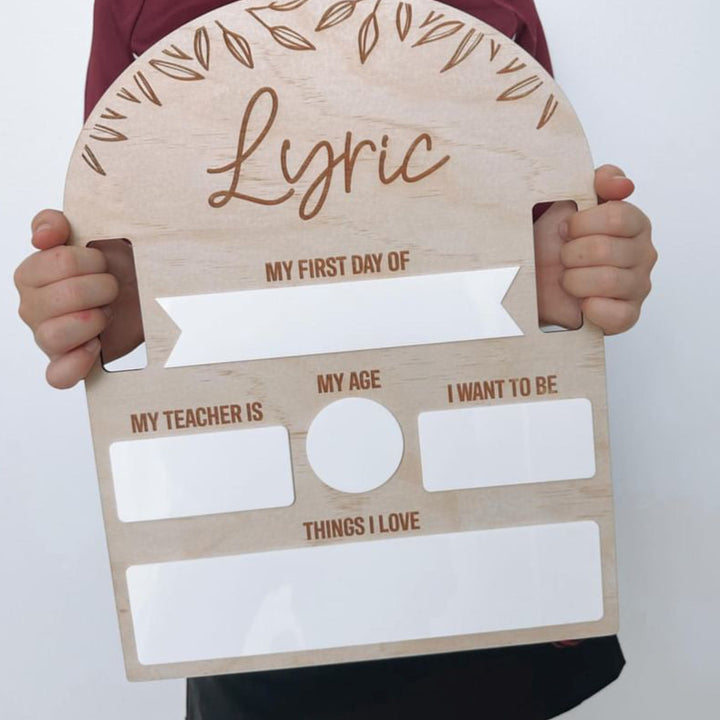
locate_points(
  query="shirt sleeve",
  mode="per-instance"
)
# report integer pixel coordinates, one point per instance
(110, 54)
(531, 36)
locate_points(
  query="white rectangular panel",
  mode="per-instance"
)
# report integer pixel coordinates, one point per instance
(366, 592)
(340, 317)
(507, 444)
(204, 474)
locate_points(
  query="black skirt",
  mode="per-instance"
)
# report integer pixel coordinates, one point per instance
(528, 682)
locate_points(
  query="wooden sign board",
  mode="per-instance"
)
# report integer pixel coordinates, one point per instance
(352, 440)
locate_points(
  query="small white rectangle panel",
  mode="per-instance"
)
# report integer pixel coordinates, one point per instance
(369, 592)
(340, 317)
(507, 444)
(204, 474)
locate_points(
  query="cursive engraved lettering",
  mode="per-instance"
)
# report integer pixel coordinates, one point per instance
(322, 155)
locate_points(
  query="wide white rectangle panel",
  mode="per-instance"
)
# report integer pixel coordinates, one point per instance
(203, 474)
(511, 444)
(369, 592)
(340, 317)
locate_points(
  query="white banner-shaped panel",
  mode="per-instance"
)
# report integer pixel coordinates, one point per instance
(204, 474)
(340, 317)
(507, 444)
(381, 591)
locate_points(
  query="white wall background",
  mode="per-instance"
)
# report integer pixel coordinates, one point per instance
(642, 78)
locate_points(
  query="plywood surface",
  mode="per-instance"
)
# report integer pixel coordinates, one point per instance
(330, 201)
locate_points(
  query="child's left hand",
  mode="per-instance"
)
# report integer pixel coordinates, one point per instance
(596, 262)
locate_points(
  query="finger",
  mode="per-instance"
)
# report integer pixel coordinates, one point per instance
(607, 282)
(66, 370)
(49, 228)
(613, 316)
(612, 184)
(619, 219)
(59, 263)
(75, 294)
(58, 336)
(596, 250)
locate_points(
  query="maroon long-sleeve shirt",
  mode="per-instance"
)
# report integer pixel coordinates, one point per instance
(520, 683)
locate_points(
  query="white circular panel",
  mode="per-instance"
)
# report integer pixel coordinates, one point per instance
(355, 445)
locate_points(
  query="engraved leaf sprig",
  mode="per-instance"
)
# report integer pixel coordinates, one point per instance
(238, 46)
(403, 19)
(176, 71)
(439, 32)
(286, 6)
(338, 12)
(282, 34)
(464, 49)
(369, 34)
(201, 46)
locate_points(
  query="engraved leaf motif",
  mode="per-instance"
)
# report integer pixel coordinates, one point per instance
(403, 19)
(146, 88)
(107, 134)
(336, 13)
(125, 94)
(286, 6)
(176, 71)
(513, 66)
(464, 49)
(521, 89)
(289, 38)
(368, 36)
(177, 53)
(202, 47)
(439, 32)
(91, 159)
(238, 46)
(549, 110)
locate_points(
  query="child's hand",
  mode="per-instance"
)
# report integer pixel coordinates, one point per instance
(67, 296)
(596, 262)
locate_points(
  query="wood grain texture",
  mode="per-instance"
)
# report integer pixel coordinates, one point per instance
(343, 73)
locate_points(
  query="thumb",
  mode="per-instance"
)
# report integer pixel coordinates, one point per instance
(611, 184)
(49, 228)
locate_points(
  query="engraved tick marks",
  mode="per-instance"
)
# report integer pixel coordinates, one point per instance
(494, 49)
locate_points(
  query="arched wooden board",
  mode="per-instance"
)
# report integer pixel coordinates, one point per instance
(354, 450)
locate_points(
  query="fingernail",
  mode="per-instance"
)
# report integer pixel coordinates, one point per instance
(42, 228)
(563, 230)
(93, 345)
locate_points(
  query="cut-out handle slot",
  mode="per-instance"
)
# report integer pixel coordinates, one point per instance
(558, 311)
(123, 346)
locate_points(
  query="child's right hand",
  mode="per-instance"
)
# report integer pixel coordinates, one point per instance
(68, 295)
